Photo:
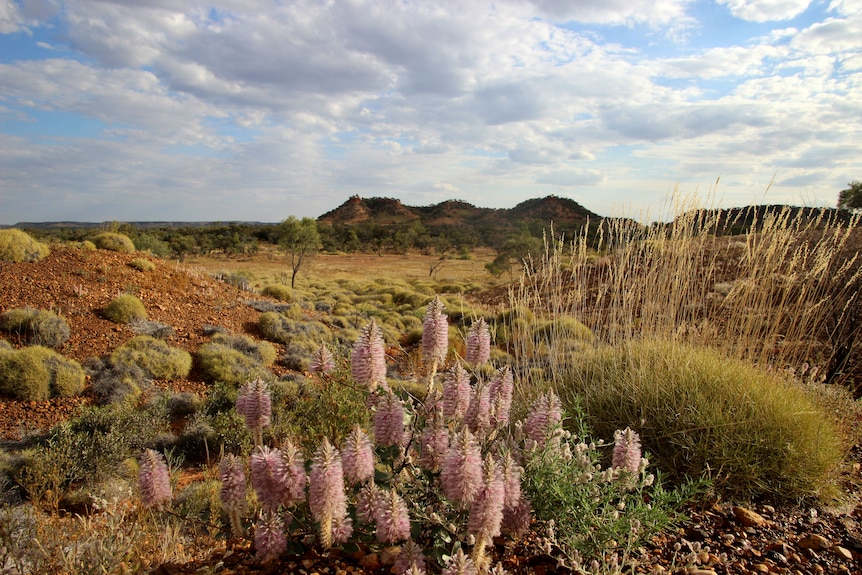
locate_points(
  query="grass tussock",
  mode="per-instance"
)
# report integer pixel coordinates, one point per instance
(37, 373)
(154, 356)
(125, 308)
(142, 265)
(18, 246)
(752, 432)
(35, 327)
(235, 359)
(280, 292)
(114, 242)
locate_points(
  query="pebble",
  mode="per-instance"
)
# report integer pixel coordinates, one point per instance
(760, 568)
(747, 517)
(843, 552)
(814, 542)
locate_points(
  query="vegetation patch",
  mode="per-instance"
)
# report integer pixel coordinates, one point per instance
(702, 413)
(125, 309)
(154, 356)
(114, 242)
(36, 373)
(280, 292)
(17, 246)
(36, 327)
(235, 359)
(142, 265)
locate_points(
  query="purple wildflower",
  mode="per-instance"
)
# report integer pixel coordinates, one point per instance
(389, 421)
(434, 444)
(516, 520)
(460, 564)
(232, 477)
(392, 519)
(322, 361)
(545, 415)
(627, 450)
(511, 479)
(357, 456)
(478, 343)
(501, 390)
(153, 479)
(268, 476)
(461, 474)
(435, 333)
(326, 497)
(456, 393)
(269, 538)
(368, 361)
(294, 479)
(478, 416)
(254, 403)
(486, 511)
(410, 556)
(366, 502)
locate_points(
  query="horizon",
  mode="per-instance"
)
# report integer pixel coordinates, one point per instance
(224, 111)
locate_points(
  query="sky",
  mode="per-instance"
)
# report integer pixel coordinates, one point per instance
(255, 110)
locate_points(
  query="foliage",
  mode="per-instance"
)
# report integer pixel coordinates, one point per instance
(151, 328)
(280, 292)
(154, 356)
(142, 265)
(306, 335)
(234, 359)
(702, 413)
(300, 239)
(121, 384)
(260, 351)
(114, 242)
(850, 198)
(18, 246)
(125, 309)
(38, 327)
(37, 373)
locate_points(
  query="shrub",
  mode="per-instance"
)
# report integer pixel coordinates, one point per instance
(124, 309)
(116, 384)
(151, 328)
(701, 412)
(306, 334)
(260, 351)
(17, 246)
(5, 345)
(154, 356)
(114, 242)
(219, 362)
(142, 265)
(37, 327)
(36, 373)
(280, 292)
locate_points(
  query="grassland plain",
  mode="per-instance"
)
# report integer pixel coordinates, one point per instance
(343, 297)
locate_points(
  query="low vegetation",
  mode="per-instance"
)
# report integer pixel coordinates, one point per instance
(37, 373)
(154, 356)
(35, 327)
(125, 308)
(142, 265)
(114, 242)
(235, 359)
(18, 246)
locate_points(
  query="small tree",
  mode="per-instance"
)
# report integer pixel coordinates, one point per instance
(300, 239)
(851, 198)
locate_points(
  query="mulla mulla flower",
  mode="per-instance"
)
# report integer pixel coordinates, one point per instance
(456, 393)
(322, 361)
(254, 403)
(435, 334)
(461, 472)
(627, 451)
(368, 360)
(410, 557)
(326, 497)
(392, 521)
(545, 414)
(500, 390)
(269, 538)
(232, 493)
(153, 479)
(366, 502)
(268, 476)
(295, 478)
(460, 564)
(389, 421)
(486, 511)
(433, 444)
(478, 343)
(357, 456)
(478, 416)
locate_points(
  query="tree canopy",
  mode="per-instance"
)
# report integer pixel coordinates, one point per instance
(300, 239)
(851, 198)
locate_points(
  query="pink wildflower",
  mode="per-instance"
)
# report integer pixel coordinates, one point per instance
(545, 415)
(295, 478)
(479, 412)
(501, 390)
(460, 564)
(232, 493)
(326, 497)
(627, 450)
(366, 502)
(511, 479)
(478, 343)
(389, 421)
(322, 361)
(433, 444)
(461, 473)
(456, 393)
(254, 403)
(269, 538)
(268, 475)
(486, 511)
(516, 520)
(357, 456)
(153, 479)
(435, 333)
(392, 519)
(368, 361)
(410, 557)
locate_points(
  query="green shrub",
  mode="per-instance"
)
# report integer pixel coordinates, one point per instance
(124, 309)
(114, 242)
(36, 327)
(36, 373)
(142, 265)
(702, 413)
(5, 345)
(116, 384)
(88, 245)
(154, 356)
(306, 334)
(260, 351)
(219, 362)
(17, 246)
(280, 292)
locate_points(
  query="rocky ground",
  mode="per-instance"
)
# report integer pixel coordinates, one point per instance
(720, 537)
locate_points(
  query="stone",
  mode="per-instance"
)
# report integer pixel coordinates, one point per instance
(747, 517)
(843, 553)
(814, 542)
(760, 568)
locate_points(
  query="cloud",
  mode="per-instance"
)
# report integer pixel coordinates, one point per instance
(619, 12)
(765, 10)
(572, 178)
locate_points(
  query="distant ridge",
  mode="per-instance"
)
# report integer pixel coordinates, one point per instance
(153, 224)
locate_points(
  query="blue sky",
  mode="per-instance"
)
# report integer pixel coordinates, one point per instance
(136, 110)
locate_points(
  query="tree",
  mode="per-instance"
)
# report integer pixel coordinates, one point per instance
(851, 198)
(300, 239)
(514, 251)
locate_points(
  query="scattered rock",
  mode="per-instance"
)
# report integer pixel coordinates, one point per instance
(814, 542)
(843, 553)
(747, 517)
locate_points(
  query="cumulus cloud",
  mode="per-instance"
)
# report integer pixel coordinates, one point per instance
(765, 10)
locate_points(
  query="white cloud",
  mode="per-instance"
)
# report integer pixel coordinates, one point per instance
(622, 12)
(11, 19)
(765, 10)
